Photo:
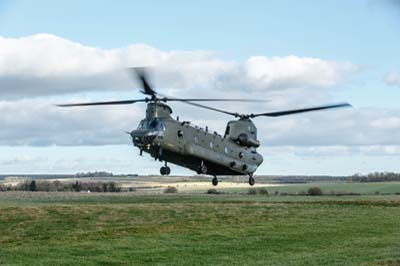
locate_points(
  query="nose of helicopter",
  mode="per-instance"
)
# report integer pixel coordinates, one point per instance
(141, 138)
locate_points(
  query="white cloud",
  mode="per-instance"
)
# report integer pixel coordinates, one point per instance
(38, 123)
(392, 78)
(293, 71)
(45, 64)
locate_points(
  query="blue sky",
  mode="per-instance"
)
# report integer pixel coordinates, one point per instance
(363, 33)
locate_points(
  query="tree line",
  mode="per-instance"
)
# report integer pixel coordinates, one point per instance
(94, 174)
(375, 177)
(49, 186)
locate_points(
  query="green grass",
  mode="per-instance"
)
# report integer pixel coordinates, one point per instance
(331, 188)
(129, 229)
(337, 187)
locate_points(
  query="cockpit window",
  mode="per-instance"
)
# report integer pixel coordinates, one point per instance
(153, 124)
(143, 124)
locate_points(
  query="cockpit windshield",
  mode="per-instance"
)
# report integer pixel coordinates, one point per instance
(155, 124)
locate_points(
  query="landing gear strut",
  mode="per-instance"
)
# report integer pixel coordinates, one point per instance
(165, 170)
(202, 169)
(252, 181)
(215, 181)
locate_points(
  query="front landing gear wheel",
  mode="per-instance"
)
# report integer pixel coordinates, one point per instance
(252, 181)
(165, 170)
(215, 181)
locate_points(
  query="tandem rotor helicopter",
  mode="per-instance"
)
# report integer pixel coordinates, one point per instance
(181, 143)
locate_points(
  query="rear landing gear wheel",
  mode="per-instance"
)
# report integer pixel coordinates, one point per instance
(215, 181)
(252, 181)
(165, 170)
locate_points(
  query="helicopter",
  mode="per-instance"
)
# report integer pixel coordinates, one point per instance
(177, 142)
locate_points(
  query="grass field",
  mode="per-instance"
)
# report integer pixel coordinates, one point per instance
(338, 187)
(129, 229)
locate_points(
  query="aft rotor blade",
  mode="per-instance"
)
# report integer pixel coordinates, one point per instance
(141, 74)
(168, 99)
(103, 103)
(303, 110)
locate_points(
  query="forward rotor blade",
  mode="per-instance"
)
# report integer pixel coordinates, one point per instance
(296, 111)
(102, 103)
(211, 108)
(141, 74)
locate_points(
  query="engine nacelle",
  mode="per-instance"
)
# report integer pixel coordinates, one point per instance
(244, 140)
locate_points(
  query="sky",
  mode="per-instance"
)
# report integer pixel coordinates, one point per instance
(292, 53)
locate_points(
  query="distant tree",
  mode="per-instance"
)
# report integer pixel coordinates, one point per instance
(114, 188)
(77, 186)
(32, 186)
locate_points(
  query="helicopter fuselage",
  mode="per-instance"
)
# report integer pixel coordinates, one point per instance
(190, 146)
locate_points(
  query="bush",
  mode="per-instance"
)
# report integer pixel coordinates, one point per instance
(314, 191)
(258, 191)
(213, 191)
(252, 191)
(32, 186)
(263, 191)
(170, 189)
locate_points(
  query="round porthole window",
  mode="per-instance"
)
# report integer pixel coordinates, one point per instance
(241, 154)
